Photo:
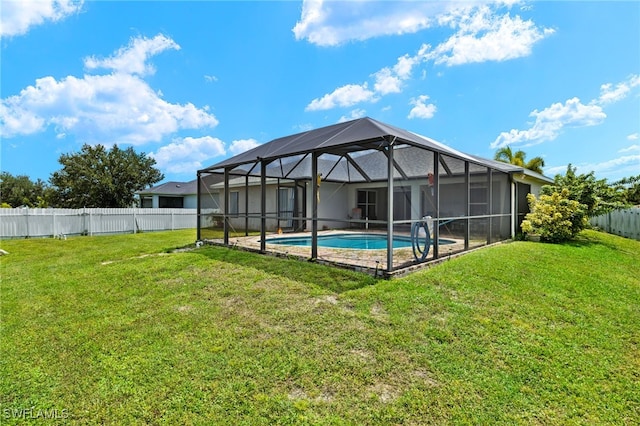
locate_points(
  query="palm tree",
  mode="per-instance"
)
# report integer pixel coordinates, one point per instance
(519, 159)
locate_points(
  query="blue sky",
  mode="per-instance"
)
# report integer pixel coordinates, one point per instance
(192, 83)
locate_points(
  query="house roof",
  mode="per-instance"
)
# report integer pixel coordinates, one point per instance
(351, 152)
(172, 188)
(510, 168)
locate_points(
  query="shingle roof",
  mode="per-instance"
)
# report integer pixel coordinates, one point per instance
(172, 188)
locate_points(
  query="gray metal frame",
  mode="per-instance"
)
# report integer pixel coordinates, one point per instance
(354, 144)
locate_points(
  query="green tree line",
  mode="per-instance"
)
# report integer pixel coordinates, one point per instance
(94, 177)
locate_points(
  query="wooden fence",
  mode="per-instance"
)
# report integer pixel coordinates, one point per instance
(35, 223)
(625, 223)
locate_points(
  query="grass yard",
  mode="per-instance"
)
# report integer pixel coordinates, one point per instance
(122, 330)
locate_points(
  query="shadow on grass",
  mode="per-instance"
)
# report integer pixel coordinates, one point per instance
(584, 240)
(334, 279)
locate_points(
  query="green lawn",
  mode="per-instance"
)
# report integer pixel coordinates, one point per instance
(122, 330)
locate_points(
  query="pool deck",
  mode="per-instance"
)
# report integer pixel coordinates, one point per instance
(358, 259)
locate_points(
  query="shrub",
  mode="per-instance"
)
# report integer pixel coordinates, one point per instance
(554, 217)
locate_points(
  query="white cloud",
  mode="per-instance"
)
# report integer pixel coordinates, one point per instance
(16, 119)
(421, 109)
(114, 108)
(211, 78)
(328, 23)
(630, 148)
(554, 170)
(610, 93)
(242, 145)
(483, 36)
(344, 96)
(404, 65)
(390, 79)
(387, 80)
(184, 155)
(480, 35)
(133, 59)
(625, 166)
(550, 121)
(17, 17)
(354, 114)
(633, 136)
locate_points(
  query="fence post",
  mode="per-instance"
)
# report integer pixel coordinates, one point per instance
(135, 226)
(53, 220)
(27, 218)
(172, 227)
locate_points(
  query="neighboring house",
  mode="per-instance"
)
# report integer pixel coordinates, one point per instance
(181, 195)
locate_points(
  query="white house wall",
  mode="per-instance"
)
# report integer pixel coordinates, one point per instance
(255, 195)
(338, 200)
(536, 185)
(333, 204)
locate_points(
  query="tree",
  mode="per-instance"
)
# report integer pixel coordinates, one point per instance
(630, 187)
(518, 158)
(596, 195)
(16, 191)
(97, 177)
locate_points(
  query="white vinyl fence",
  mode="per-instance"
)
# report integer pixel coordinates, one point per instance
(34, 223)
(625, 223)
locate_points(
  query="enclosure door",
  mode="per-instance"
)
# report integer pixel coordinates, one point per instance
(522, 190)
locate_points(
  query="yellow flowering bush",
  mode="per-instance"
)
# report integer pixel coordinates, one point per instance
(554, 217)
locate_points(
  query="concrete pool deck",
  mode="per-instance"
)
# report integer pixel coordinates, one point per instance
(369, 261)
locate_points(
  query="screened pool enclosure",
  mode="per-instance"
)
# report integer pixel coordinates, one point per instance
(325, 193)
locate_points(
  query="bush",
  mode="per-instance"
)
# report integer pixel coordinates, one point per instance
(554, 217)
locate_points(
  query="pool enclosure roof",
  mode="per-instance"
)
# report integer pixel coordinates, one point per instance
(352, 151)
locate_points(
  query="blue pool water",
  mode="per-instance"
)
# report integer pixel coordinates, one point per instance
(351, 241)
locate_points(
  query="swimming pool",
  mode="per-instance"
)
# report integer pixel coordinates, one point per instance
(350, 241)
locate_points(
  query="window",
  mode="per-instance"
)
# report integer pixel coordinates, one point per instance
(286, 202)
(367, 204)
(234, 198)
(170, 202)
(146, 202)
